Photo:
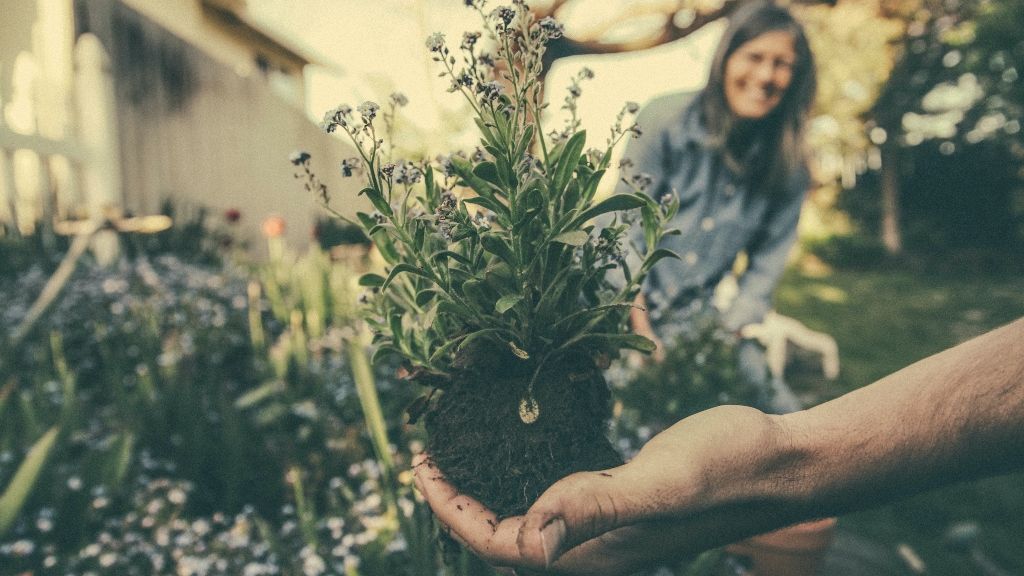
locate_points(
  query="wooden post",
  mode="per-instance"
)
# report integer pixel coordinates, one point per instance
(96, 108)
(10, 191)
(892, 238)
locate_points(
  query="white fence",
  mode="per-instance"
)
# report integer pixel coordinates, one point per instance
(97, 130)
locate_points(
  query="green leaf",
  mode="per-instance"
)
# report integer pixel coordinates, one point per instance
(378, 201)
(444, 254)
(568, 160)
(24, 479)
(425, 296)
(491, 204)
(611, 204)
(473, 336)
(650, 226)
(658, 254)
(507, 302)
(259, 394)
(366, 220)
(121, 458)
(477, 294)
(382, 352)
(488, 171)
(590, 186)
(497, 246)
(486, 132)
(456, 310)
(631, 341)
(371, 279)
(524, 142)
(591, 313)
(403, 267)
(431, 195)
(464, 169)
(572, 238)
(398, 334)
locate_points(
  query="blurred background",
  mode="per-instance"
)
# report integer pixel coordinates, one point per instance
(184, 384)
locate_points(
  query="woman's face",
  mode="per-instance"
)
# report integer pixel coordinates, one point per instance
(758, 73)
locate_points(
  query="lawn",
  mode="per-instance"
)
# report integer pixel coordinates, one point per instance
(884, 319)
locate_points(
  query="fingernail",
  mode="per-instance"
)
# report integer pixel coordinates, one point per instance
(551, 537)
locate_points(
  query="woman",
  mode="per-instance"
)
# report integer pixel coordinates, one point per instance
(732, 153)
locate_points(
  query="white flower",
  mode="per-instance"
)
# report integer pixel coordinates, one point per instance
(435, 42)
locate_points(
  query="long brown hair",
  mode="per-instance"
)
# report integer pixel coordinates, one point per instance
(779, 136)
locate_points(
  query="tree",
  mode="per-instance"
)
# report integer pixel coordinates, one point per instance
(954, 81)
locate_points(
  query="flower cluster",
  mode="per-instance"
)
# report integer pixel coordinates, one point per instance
(157, 358)
(482, 244)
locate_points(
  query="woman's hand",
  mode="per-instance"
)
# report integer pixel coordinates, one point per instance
(620, 520)
(640, 322)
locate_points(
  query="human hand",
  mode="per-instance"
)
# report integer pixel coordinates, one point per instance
(640, 322)
(660, 506)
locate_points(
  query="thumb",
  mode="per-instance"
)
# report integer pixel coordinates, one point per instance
(575, 509)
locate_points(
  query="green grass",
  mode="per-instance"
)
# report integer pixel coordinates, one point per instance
(883, 320)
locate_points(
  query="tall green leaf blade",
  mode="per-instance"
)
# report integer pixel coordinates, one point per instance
(24, 479)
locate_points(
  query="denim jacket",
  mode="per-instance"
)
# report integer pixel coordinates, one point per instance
(720, 215)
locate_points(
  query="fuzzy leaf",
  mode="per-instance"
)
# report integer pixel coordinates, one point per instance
(507, 302)
(572, 238)
(456, 310)
(524, 142)
(568, 160)
(371, 279)
(383, 352)
(488, 171)
(631, 341)
(403, 267)
(464, 169)
(491, 204)
(378, 201)
(486, 132)
(497, 246)
(658, 254)
(612, 204)
(445, 254)
(590, 186)
(425, 296)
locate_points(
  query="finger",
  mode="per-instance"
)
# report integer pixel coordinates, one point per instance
(470, 522)
(575, 509)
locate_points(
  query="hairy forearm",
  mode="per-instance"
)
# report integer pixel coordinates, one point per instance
(957, 415)
(732, 472)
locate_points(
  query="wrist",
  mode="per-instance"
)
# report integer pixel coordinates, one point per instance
(770, 480)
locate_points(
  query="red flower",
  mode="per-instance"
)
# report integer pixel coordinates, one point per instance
(232, 215)
(273, 227)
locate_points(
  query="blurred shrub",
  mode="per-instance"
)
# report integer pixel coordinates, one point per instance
(209, 424)
(700, 371)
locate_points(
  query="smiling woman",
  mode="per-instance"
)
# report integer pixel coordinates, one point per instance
(732, 154)
(758, 74)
